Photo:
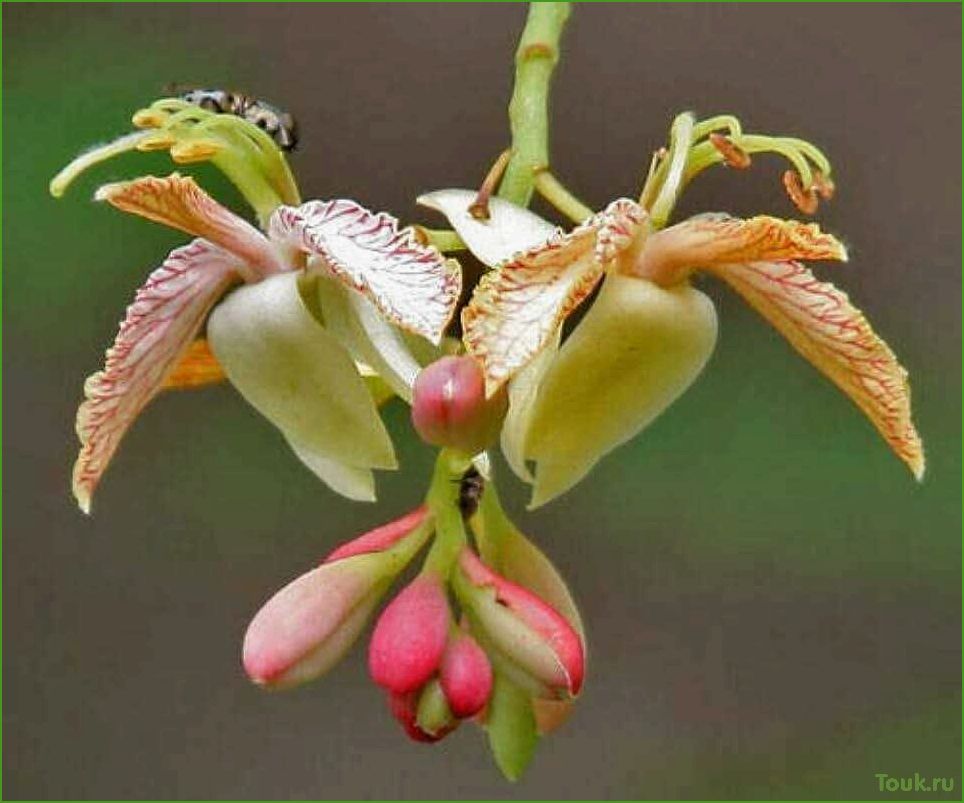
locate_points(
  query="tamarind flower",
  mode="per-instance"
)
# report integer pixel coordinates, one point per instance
(649, 333)
(256, 293)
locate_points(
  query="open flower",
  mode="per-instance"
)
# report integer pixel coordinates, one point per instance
(649, 332)
(355, 269)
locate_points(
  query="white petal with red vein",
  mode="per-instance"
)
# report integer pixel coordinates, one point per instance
(412, 284)
(178, 201)
(517, 308)
(822, 324)
(159, 327)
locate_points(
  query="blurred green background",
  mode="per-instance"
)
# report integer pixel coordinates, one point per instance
(773, 603)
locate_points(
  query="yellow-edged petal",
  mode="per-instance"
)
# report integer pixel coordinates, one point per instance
(517, 308)
(178, 201)
(822, 324)
(707, 240)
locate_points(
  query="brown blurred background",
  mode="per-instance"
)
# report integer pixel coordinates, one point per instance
(773, 604)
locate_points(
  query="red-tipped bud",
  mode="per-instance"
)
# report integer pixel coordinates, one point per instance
(449, 407)
(465, 675)
(304, 629)
(381, 538)
(528, 631)
(410, 636)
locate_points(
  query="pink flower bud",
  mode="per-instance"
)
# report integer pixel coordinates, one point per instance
(410, 636)
(525, 629)
(449, 407)
(381, 538)
(465, 675)
(304, 629)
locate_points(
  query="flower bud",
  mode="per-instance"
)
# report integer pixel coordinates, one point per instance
(410, 636)
(423, 713)
(304, 629)
(381, 538)
(449, 407)
(527, 631)
(465, 675)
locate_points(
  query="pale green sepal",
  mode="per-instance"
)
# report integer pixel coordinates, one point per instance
(351, 482)
(508, 230)
(362, 329)
(638, 348)
(298, 375)
(511, 727)
(523, 391)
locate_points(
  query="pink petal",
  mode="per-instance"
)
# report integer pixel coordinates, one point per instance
(465, 675)
(410, 636)
(536, 614)
(412, 284)
(381, 538)
(178, 201)
(159, 327)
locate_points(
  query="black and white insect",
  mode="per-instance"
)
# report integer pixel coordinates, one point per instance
(471, 487)
(277, 124)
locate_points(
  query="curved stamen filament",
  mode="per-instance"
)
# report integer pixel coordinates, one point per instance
(128, 142)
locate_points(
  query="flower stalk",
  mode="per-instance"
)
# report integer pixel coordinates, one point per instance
(535, 61)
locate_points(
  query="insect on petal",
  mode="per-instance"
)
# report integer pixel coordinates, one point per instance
(517, 308)
(160, 325)
(412, 284)
(822, 324)
(178, 201)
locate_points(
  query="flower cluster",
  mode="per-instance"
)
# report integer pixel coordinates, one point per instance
(325, 310)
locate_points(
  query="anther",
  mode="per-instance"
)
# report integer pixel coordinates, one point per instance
(733, 155)
(804, 199)
(823, 185)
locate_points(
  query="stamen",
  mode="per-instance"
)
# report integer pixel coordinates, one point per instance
(733, 155)
(823, 185)
(805, 200)
(479, 208)
(197, 151)
(65, 177)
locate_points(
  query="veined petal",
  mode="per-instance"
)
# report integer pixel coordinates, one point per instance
(509, 229)
(166, 315)
(297, 375)
(822, 324)
(178, 201)
(412, 284)
(707, 240)
(198, 366)
(516, 308)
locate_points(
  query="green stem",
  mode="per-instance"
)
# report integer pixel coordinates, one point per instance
(535, 60)
(443, 501)
(556, 193)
